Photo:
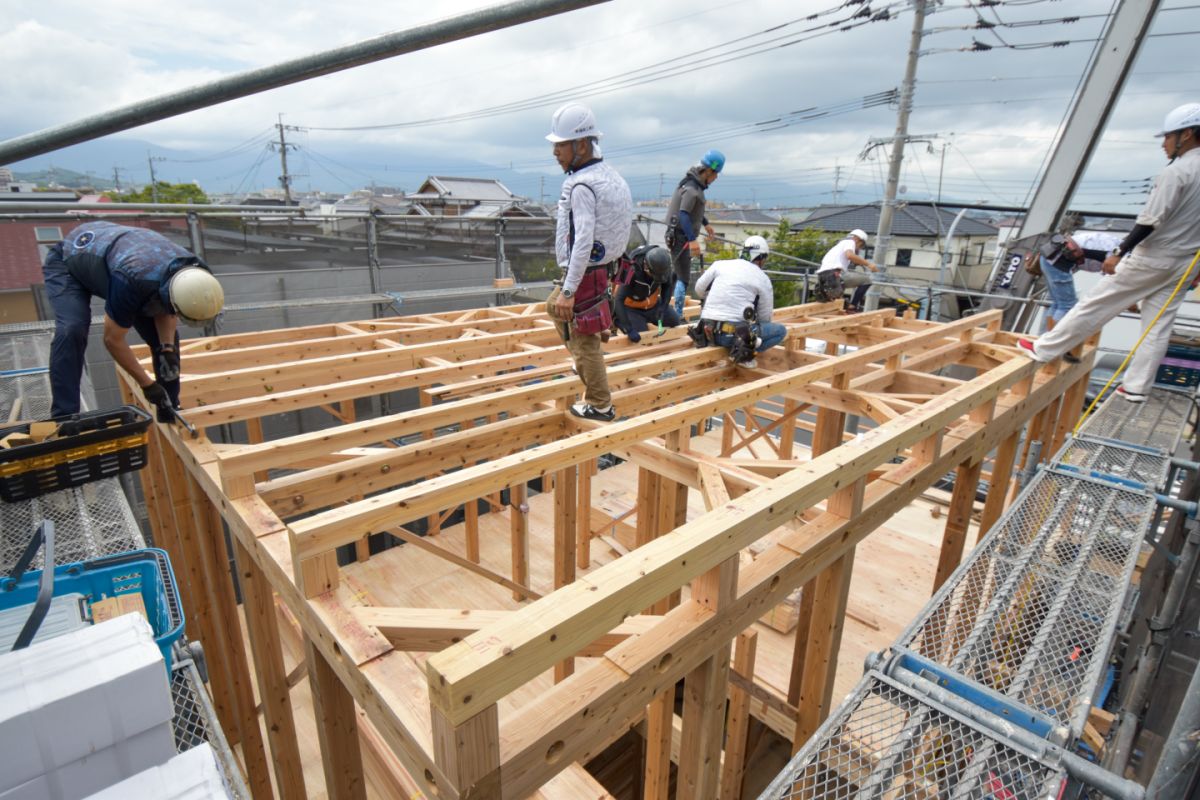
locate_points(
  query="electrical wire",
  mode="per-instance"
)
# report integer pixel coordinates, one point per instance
(687, 63)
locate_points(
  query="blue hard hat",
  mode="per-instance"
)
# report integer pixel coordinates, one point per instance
(714, 160)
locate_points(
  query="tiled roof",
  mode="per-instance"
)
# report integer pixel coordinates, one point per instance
(478, 189)
(911, 219)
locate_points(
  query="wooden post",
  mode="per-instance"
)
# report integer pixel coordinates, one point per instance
(210, 538)
(265, 647)
(787, 431)
(739, 718)
(1002, 469)
(469, 754)
(518, 517)
(471, 514)
(660, 713)
(958, 520)
(564, 545)
(830, 596)
(337, 729)
(583, 517)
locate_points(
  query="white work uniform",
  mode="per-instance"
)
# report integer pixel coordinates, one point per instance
(595, 205)
(727, 287)
(1147, 275)
(838, 256)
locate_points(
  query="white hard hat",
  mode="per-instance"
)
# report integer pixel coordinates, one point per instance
(755, 248)
(1177, 119)
(572, 121)
(196, 295)
(859, 234)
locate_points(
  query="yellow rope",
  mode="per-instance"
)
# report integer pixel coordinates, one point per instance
(1182, 279)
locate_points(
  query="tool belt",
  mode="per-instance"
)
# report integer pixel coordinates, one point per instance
(829, 285)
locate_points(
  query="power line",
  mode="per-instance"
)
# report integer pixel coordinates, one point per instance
(671, 67)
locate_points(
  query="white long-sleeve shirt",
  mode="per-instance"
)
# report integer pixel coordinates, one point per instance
(596, 204)
(727, 287)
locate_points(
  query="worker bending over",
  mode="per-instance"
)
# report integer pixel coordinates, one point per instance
(148, 282)
(838, 271)
(738, 304)
(643, 297)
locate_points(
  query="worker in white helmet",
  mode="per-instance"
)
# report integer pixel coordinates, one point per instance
(148, 282)
(1147, 265)
(839, 268)
(738, 305)
(595, 217)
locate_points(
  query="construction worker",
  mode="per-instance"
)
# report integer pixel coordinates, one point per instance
(595, 216)
(642, 297)
(685, 215)
(1153, 264)
(148, 282)
(1061, 257)
(738, 304)
(838, 268)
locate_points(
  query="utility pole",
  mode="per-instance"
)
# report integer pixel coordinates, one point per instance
(541, 190)
(660, 186)
(888, 209)
(941, 170)
(153, 180)
(285, 180)
(837, 177)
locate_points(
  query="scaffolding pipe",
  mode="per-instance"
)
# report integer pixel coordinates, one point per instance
(1077, 767)
(1117, 756)
(1172, 778)
(285, 73)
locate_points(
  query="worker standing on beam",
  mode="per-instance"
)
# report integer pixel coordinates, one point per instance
(685, 215)
(595, 217)
(1148, 265)
(148, 282)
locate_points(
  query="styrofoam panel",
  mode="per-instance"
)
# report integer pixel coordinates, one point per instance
(80, 693)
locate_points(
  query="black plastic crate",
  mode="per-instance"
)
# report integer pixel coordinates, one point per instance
(109, 443)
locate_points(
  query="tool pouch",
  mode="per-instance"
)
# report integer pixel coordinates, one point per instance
(595, 319)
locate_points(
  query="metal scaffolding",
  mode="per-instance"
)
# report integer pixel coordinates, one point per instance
(92, 521)
(999, 672)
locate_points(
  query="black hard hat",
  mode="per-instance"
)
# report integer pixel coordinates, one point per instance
(658, 263)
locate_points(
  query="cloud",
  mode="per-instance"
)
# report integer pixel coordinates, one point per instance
(649, 69)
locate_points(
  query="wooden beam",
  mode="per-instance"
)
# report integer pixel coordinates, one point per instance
(593, 602)
(433, 629)
(330, 529)
(337, 730)
(518, 515)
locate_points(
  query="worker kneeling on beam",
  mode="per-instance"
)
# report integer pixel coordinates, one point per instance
(643, 292)
(738, 304)
(148, 282)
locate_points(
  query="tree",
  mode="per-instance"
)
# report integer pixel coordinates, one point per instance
(167, 193)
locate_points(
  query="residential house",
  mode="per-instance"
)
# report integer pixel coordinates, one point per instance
(918, 240)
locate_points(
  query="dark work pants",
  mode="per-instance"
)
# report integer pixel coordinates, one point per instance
(72, 304)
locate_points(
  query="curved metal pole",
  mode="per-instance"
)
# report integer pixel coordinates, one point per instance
(284, 73)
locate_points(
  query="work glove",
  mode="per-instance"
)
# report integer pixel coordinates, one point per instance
(157, 394)
(166, 363)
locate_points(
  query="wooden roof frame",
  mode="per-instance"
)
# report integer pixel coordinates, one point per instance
(494, 384)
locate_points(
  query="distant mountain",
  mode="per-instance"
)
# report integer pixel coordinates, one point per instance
(59, 176)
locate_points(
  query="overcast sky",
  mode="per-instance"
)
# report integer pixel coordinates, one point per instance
(722, 69)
